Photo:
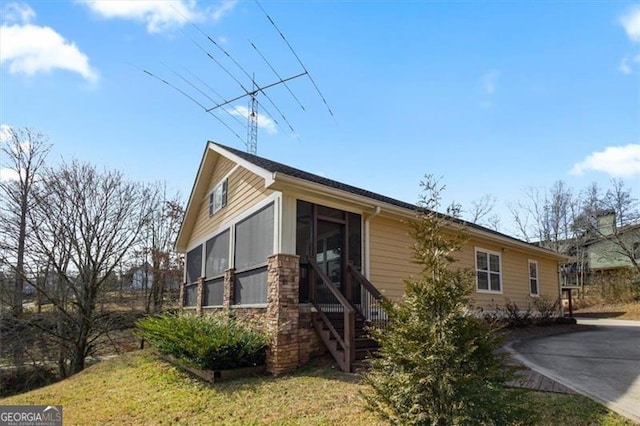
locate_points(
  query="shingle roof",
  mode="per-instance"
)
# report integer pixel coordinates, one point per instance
(274, 166)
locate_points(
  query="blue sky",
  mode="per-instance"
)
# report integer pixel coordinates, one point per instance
(495, 97)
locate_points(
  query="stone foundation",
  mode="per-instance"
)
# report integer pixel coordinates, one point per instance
(294, 339)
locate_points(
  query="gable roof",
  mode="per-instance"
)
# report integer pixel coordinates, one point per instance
(273, 171)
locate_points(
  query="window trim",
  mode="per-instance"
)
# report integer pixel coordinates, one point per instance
(223, 187)
(489, 272)
(537, 277)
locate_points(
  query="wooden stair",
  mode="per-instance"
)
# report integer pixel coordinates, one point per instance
(364, 345)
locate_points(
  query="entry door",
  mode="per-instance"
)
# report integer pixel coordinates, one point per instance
(330, 251)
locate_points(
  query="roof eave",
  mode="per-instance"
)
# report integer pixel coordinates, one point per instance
(281, 180)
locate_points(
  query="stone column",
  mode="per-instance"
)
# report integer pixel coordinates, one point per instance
(229, 288)
(200, 297)
(283, 276)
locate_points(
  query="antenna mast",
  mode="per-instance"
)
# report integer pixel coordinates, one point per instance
(252, 120)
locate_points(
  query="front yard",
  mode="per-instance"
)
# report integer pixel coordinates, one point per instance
(139, 389)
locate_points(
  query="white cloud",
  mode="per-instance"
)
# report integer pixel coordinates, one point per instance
(631, 24)
(5, 133)
(624, 66)
(616, 161)
(14, 13)
(7, 175)
(263, 122)
(159, 16)
(223, 8)
(489, 81)
(31, 49)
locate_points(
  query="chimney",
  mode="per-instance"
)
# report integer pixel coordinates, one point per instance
(606, 222)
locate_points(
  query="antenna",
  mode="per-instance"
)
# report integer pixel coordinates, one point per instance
(252, 113)
(252, 117)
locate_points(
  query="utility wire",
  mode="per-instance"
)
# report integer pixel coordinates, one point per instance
(297, 57)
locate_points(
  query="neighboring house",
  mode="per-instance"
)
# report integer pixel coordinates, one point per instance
(605, 250)
(611, 248)
(312, 257)
(140, 277)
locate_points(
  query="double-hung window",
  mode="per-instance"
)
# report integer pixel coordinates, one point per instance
(533, 278)
(488, 271)
(218, 197)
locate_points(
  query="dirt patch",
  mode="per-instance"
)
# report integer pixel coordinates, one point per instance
(626, 311)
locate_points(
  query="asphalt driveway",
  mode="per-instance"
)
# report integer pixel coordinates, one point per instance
(602, 363)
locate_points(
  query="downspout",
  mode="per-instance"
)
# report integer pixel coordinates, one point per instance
(367, 258)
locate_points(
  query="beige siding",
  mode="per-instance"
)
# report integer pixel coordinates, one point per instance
(391, 254)
(245, 189)
(391, 250)
(515, 276)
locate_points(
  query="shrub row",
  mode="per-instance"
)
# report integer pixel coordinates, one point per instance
(544, 312)
(209, 342)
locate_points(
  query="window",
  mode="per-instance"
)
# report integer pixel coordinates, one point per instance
(216, 262)
(488, 272)
(194, 271)
(636, 251)
(254, 244)
(533, 278)
(213, 292)
(217, 256)
(218, 197)
(191, 295)
(194, 265)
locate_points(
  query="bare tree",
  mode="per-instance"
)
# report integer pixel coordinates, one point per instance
(619, 199)
(158, 237)
(546, 216)
(23, 156)
(481, 212)
(87, 222)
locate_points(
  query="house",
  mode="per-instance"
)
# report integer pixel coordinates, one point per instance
(610, 247)
(605, 250)
(140, 277)
(312, 257)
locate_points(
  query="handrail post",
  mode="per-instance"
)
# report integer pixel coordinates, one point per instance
(349, 339)
(313, 281)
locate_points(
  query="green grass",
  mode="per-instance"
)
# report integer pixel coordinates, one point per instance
(139, 388)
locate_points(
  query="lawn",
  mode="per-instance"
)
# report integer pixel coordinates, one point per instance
(139, 388)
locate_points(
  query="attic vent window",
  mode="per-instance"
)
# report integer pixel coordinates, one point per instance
(218, 197)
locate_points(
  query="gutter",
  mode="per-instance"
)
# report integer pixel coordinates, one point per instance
(367, 258)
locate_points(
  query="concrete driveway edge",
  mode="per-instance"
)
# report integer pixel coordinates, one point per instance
(550, 375)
